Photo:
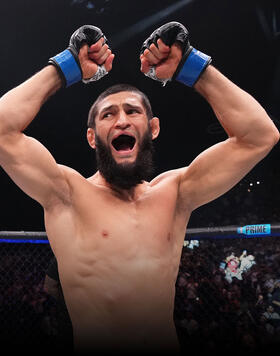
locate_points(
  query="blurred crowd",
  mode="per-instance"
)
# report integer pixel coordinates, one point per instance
(213, 313)
(30, 317)
(229, 316)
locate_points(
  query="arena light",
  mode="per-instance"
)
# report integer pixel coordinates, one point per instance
(144, 24)
(192, 234)
(98, 6)
(24, 237)
(23, 241)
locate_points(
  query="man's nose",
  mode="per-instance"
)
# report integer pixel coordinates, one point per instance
(122, 121)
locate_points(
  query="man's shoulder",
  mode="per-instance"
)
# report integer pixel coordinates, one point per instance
(64, 192)
(171, 175)
(75, 180)
(68, 170)
(71, 174)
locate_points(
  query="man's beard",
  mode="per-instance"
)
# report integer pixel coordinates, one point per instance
(126, 175)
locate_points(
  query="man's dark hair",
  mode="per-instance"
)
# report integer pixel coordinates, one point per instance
(117, 89)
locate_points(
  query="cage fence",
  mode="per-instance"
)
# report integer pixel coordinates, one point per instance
(227, 292)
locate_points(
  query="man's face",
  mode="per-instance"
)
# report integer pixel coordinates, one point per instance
(121, 123)
(123, 139)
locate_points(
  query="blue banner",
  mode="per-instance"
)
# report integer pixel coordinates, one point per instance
(253, 230)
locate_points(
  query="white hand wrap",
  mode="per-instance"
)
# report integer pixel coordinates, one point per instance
(152, 74)
(101, 72)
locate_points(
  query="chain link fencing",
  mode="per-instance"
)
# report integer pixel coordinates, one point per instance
(222, 305)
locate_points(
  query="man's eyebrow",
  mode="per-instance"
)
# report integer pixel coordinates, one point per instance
(113, 106)
(133, 106)
(106, 108)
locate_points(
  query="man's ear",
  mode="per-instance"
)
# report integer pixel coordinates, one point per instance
(91, 137)
(155, 128)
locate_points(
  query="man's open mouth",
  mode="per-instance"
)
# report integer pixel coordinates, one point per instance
(123, 143)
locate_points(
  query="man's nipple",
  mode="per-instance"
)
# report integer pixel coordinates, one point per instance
(105, 233)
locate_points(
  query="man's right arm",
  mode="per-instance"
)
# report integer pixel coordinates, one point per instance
(25, 160)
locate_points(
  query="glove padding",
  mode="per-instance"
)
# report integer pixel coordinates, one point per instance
(67, 62)
(193, 62)
(170, 33)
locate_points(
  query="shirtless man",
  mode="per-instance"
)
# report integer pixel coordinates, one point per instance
(117, 238)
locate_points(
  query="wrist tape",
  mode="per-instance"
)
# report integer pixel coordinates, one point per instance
(68, 67)
(193, 67)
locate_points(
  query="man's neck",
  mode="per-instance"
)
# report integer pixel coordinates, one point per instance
(131, 194)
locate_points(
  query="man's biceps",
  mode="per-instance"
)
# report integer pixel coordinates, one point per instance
(32, 168)
(36, 156)
(30, 180)
(213, 161)
(19, 148)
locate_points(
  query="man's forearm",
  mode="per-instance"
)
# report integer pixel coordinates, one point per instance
(20, 105)
(238, 112)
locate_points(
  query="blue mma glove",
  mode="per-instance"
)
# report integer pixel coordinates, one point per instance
(193, 62)
(67, 62)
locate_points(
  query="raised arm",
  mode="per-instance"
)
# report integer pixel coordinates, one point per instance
(251, 132)
(167, 55)
(27, 162)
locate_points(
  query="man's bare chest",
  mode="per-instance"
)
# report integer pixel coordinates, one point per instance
(106, 234)
(149, 220)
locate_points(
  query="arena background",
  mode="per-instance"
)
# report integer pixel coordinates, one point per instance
(243, 38)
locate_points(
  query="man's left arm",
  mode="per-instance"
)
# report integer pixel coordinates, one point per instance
(251, 132)
(167, 55)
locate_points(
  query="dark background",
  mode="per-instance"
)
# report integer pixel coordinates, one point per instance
(241, 36)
